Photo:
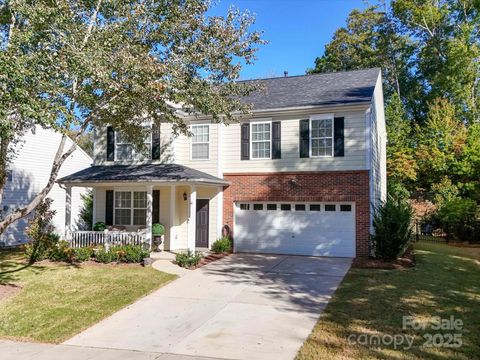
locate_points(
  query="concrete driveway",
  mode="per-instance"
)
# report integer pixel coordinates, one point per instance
(241, 307)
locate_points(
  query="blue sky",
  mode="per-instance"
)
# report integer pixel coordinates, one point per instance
(297, 31)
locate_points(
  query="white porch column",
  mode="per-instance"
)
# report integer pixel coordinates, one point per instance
(173, 210)
(219, 211)
(94, 213)
(148, 238)
(68, 213)
(192, 218)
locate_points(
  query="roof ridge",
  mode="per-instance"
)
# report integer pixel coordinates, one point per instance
(313, 74)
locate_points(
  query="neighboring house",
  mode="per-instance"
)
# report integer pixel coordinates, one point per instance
(300, 176)
(29, 173)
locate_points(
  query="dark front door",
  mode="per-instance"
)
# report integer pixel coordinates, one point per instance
(201, 236)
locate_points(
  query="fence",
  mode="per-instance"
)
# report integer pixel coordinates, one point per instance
(428, 232)
(93, 238)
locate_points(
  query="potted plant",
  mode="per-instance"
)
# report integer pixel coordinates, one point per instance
(158, 230)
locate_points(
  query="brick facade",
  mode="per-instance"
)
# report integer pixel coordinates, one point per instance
(334, 186)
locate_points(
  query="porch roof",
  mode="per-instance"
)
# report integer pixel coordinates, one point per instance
(158, 173)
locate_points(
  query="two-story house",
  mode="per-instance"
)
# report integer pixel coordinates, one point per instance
(301, 176)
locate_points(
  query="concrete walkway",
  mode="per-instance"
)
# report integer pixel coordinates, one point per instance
(241, 307)
(13, 350)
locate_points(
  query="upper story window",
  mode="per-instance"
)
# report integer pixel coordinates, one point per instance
(126, 151)
(321, 138)
(261, 140)
(200, 142)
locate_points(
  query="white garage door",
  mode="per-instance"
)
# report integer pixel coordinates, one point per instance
(317, 229)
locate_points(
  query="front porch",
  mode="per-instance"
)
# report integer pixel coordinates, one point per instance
(190, 207)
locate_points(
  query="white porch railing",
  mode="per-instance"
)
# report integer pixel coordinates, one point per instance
(92, 238)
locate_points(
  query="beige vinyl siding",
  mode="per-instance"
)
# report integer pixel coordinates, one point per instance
(378, 147)
(354, 159)
(183, 151)
(100, 147)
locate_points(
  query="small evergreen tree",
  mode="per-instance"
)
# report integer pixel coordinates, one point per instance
(393, 228)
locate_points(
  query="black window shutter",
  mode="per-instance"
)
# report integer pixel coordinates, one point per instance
(276, 140)
(155, 142)
(304, 138)
(245, 142)
(156, 206)
(110, 144)
(109, 207)
(338, 136)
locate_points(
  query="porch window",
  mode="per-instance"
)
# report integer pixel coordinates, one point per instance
(125, 151)
(200, 142)
(123, 204)
(128, 212)
(139, 208)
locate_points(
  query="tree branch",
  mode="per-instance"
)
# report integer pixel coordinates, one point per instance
(13, 21)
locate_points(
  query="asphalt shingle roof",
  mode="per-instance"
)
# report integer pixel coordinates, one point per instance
(139, 173)
(335, 88)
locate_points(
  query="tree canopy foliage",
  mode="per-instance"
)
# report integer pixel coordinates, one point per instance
(73, 64)
(428, 51)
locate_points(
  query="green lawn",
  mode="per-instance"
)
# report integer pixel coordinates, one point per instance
(58, 301)
(446, 281)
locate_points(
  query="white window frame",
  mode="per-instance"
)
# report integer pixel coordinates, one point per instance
(191, 142)
(317, 118)
(149, 157)
(269, 122)
(132, 206)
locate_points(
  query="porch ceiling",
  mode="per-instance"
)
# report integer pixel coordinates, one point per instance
(155, 173)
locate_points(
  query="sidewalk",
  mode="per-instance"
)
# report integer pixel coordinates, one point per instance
(13, 350)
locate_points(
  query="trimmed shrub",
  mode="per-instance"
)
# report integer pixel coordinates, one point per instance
(188, 259)
(123, 254)
(393, 228)
(222, 245)
(158, 229)
(128, 253)
(83, 254)
(104, 256)
(99, 226)
(62, 252)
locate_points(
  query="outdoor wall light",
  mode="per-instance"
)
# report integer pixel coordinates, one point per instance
(185, 196)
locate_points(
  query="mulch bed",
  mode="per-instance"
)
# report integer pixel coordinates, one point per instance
(86, 263)
(208, 259)
(7, 290)
(405, 262)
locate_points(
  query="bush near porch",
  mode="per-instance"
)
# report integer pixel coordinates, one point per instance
(59, 300)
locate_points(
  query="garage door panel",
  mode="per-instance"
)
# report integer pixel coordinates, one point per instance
(316, 233)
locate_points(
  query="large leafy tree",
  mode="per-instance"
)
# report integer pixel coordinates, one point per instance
(370, 39)
(428, 51)
(74, 64)
(445, 33)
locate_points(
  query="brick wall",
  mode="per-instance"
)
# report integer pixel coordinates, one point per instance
(335, 186)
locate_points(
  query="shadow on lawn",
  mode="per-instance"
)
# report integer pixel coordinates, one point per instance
(375, 301)
(14, 266)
